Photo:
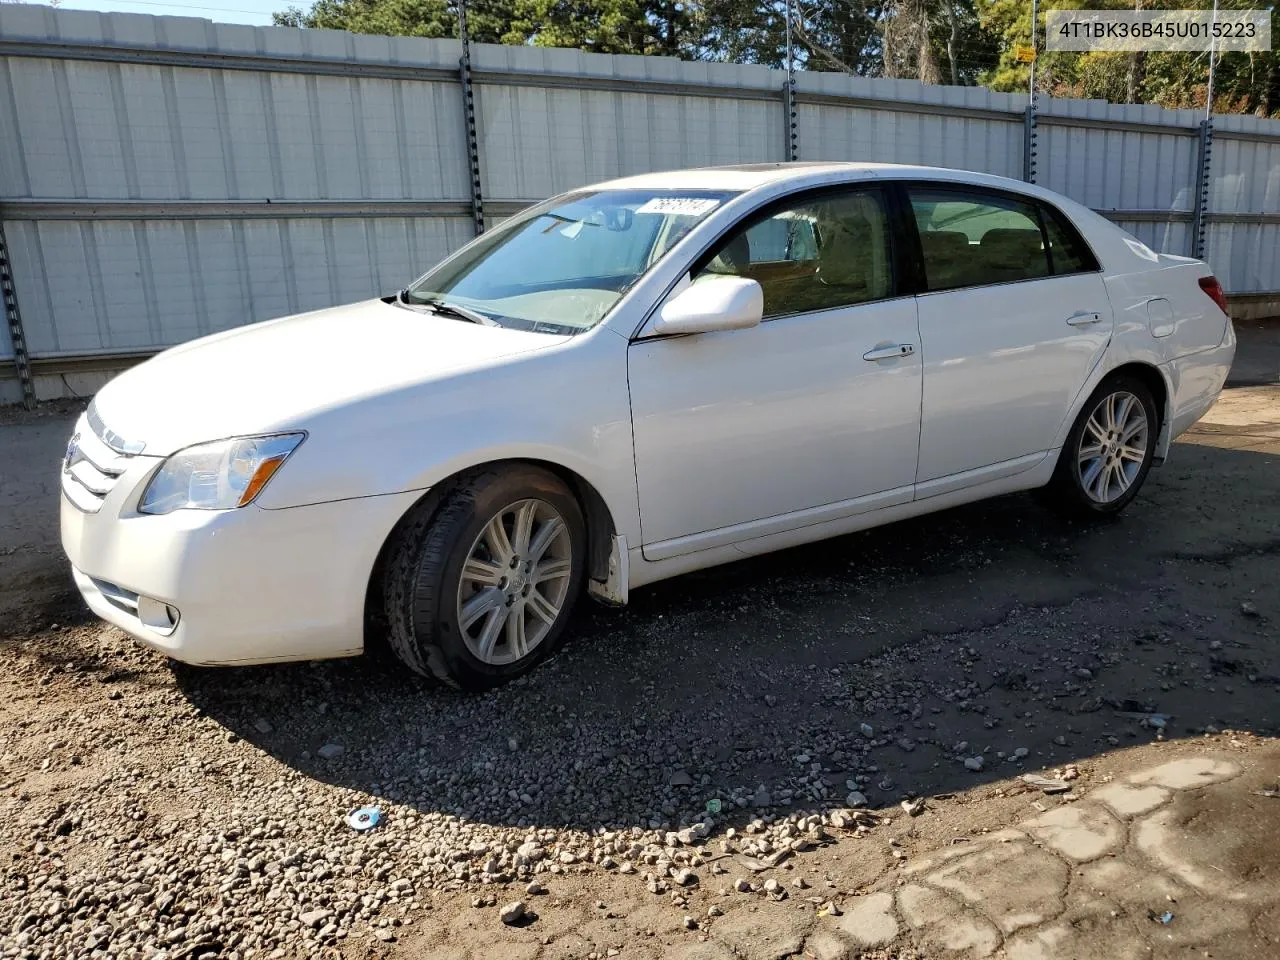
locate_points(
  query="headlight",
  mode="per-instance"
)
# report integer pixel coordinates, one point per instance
(217, 476)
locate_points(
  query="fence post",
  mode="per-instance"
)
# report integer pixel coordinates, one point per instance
(789, 97)
(21, 360)
(792, 135)
(1029, 120)
(1029, 143)
(469, 114)
(1203, 162)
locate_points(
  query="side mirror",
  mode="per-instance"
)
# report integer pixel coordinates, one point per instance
(722, 303)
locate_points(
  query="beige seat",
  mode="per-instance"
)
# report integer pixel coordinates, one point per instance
(1010, 254)
(949, 258)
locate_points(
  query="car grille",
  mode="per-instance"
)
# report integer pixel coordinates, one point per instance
(94, 461)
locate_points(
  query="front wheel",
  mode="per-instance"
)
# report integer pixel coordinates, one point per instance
(478, 588)
(1109, 451)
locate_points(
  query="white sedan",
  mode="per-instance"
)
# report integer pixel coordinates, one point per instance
(626, 383)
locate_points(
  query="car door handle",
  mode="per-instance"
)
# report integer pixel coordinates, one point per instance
(1084, 318)
(890, 353)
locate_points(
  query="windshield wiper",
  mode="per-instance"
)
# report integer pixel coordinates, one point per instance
(447, 309)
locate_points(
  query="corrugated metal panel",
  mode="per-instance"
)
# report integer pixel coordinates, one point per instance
(1118, 169)
(115, 285)
(885, 136)
(552, 140)
(1244, 256)
(216, 112)
(538, 141)
(1173, 237)
(1245, 177)
(117, 131)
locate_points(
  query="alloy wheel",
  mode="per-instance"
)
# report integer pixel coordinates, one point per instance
(514, 582)
(1113, 447)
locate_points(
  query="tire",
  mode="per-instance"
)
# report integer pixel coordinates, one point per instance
(1097, 487)
(459, 609)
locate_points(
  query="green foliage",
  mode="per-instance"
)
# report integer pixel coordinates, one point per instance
(947, 41)
(1243, 82)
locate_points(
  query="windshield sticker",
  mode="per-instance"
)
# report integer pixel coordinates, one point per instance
(679, 206)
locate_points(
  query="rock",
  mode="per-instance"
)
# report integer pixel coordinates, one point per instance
(913, 807)
(690, 923)
(1060, 740)
(1021, 753)
(714, 911)
(742, 885)
(534, 888)
(331, 751)
(856, 799)
(1215, 645)
(685, 877)
(1248, 608)
(512, 913)
(906, 744)
(1084, 673)
(867, 730)
(973, 763)
(680, 778)
(263, 725)
(772, 886)
(1047, 784)
(315, 918)
(530, 851)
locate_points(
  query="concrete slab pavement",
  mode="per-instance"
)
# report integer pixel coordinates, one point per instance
(1146, 866)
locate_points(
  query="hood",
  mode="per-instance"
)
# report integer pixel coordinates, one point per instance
(270, 376)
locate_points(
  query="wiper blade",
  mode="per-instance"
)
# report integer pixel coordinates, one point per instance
(447, 309)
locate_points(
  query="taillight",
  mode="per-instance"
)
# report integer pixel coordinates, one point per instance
(1213, 288)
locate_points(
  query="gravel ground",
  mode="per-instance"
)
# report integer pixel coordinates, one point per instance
(715, 734)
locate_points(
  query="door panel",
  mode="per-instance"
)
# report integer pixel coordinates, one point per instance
(1002, 365)
(750, 424)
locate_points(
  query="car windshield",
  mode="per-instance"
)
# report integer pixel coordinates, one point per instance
(561, 266)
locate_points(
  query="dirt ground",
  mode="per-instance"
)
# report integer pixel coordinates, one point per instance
(993, 631)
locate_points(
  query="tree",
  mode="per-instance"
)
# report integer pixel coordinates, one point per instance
(488, 22)
(1243, 82)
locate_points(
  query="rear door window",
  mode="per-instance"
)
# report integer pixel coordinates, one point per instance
(973, 238)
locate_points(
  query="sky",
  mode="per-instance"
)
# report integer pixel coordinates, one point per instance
(226, 11)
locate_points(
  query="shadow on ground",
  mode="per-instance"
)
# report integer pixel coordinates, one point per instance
(980, 631)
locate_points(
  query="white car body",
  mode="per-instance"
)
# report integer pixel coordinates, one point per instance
(686, 451)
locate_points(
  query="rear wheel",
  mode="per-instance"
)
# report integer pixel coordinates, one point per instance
(479, 586)
(1109, 451)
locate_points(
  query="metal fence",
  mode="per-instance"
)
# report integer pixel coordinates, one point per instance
(163, 178)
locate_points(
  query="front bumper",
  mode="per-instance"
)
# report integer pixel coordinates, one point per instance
(249, 585)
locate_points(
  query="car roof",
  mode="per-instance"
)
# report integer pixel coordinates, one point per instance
(749, 176)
